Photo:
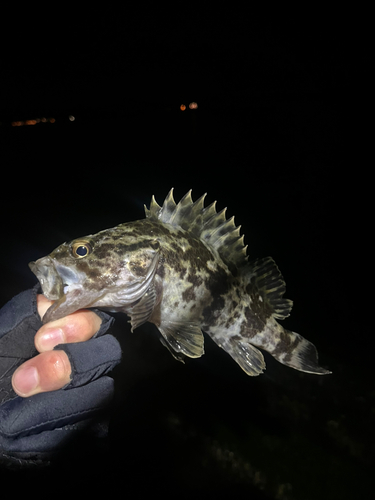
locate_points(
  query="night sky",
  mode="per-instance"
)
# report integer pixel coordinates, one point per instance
(273, 140)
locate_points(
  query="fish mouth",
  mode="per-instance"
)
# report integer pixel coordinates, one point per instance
(54, 278)
(50, 280)
(62, 285)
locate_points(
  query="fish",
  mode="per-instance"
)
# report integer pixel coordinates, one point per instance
(184, 268)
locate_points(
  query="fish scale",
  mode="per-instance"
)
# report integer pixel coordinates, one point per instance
(185, 269)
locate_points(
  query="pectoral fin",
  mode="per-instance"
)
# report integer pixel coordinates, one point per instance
(140, 313)
(183, 338)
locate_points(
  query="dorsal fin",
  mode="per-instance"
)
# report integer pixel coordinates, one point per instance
(203, 222)
(268, 280)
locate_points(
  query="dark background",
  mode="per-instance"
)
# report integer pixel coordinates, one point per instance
(276, 138)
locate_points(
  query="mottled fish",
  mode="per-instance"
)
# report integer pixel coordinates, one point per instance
(185, 269)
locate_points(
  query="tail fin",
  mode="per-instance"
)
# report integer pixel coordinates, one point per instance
(300, 354)
(290, 348)
(266, 287)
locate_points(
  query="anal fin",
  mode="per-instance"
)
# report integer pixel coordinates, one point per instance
(176, 355)
(183, 338)
(247, 356)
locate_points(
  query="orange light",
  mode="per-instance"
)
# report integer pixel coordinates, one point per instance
(52, 120)
(17, 124)
(182, 107)
(30, 122)
(193, 105)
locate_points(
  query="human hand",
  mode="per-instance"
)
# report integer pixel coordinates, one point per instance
(35, 429)
(51, 369)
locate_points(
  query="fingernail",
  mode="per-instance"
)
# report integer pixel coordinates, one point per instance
(25, 380)
(50, 339)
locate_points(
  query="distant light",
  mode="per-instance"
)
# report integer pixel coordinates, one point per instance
(72, 118)
(34, 121)
(182, 107)
(193, 105)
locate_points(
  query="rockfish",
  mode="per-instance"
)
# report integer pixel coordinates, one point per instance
(185, 269)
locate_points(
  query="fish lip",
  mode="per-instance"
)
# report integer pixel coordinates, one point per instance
(49, 279)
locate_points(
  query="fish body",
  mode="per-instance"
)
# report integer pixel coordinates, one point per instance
(185, 269)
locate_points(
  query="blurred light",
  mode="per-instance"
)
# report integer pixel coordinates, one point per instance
(182, 107)
(193, 105)
(72, 118)
(34, 121)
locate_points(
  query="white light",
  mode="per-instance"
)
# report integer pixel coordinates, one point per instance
(72, 118)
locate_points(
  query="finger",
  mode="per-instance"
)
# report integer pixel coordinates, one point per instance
(43, 304)
(76, 327)
(46, 372)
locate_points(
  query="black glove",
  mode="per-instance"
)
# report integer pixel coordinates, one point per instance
(33, 430)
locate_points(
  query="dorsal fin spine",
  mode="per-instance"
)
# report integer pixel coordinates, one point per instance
(205, 223)
(221, 234)
(154, 211)
(208, 212)
(184, 206)
(215, 221)
(168, 207)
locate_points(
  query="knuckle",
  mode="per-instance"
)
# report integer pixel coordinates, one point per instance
(78, 326)
(86, 322)
(89, 323)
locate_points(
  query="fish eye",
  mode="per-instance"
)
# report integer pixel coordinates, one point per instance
(81, 249)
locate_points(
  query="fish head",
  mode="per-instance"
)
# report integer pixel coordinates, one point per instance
(106, 270)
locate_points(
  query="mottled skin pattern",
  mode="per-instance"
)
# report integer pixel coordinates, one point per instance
(159, 272)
